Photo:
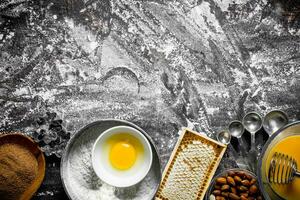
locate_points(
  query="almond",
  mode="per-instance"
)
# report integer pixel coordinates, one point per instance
(225, 187)
(217, 187)
(241, 174)
(231, 173)
(248, 176)
(242, 188)
(244, 198)
(221, 181)
(234, 196)
(230, 181)
(233, 190)
(225, 194)
(237, 179)
(244, 194)
(217, 192)
(253, 189)
(253, 181)
(245, 182)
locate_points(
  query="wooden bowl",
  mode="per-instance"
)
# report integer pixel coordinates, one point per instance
(27, 142)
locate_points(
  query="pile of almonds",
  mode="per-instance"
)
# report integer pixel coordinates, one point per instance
(236, 185)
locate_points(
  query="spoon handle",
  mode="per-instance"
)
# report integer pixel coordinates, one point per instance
(233, 151)
(253, 142)
(243, 154)
(242, 146)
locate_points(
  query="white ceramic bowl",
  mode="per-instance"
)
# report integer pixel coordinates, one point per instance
(120, 178)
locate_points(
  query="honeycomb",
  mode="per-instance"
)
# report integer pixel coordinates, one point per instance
(192, 165)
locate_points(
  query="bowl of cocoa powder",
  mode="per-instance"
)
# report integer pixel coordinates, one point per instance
(22, 167)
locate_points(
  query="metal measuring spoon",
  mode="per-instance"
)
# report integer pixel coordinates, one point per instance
(274, 120)
(224, 137)
(252, 123)
(236, 129)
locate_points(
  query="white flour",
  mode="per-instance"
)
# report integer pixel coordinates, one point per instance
(84, 183)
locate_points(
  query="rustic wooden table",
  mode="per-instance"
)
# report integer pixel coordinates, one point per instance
(159, 64)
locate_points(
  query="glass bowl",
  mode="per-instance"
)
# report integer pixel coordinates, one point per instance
(287, 131)
(224, 174)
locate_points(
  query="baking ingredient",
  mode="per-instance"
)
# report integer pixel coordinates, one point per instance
(191, 167)
(124, 150)
(18, 169)
(288, 146)
(83, 181)
(122, 155)
(221, 180)
(236, 185)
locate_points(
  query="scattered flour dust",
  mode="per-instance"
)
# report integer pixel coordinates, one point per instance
(85, 185)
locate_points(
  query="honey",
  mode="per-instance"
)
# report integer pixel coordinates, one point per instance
(192, 165)
(289, 146)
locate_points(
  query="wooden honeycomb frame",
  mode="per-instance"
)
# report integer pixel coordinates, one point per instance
(181, 178)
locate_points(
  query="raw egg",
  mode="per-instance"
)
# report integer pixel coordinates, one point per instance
(121, 156)
(124, 150)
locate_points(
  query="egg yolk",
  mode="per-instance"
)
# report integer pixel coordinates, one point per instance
(122, 155)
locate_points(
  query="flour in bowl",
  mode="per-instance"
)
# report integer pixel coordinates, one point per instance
(85, 185)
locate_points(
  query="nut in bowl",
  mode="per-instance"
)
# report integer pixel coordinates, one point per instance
(234, 184)
(121, 156)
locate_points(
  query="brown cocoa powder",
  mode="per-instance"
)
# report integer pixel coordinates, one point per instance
(18, 168)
